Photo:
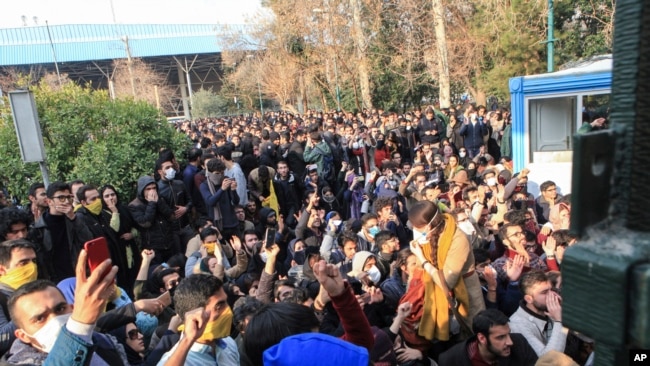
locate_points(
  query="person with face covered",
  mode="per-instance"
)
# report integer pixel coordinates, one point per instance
(445, 255)
(201, 302)
(220, 196)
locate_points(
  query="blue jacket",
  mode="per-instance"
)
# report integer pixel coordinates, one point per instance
(473, 134)
(227, 200)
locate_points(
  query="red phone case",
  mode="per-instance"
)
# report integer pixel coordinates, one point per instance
(97, 250)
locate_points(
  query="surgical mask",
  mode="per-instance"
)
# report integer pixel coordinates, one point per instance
(19, 276)
(374, 274)
(95, 208)
(170, 173)
(408, 128)
(421, 237)
(462, 154)
(373, 231)
(491, 181)
(47, 335)
(264, 257)
(467, 227)
(355, 145)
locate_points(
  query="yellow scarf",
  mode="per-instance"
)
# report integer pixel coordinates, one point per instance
(435, 319)
(272, 201)
(19, 276)
(217, 329)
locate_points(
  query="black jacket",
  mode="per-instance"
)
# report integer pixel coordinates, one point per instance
(521, 354)
(153, 219)
(175, 194)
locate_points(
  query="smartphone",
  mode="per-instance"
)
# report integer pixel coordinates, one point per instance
(269, 238)
(165, 299)
(97, 250)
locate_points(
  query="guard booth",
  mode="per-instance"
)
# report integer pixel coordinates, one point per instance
(548, 109)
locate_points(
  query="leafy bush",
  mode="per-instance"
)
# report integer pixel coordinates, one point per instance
(87, 136)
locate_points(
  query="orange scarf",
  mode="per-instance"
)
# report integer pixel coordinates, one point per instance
(435, 319)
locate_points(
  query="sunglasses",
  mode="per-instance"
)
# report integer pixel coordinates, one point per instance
(133, 334)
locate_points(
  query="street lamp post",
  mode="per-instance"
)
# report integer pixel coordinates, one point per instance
(336, 68)
(259, 88)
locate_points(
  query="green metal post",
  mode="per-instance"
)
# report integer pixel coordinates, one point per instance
(606, 276)
(550, 40)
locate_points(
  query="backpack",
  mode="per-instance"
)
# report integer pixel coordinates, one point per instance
(328, 165)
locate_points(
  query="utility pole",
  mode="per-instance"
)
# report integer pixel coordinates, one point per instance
(129, 64)
(550, 39)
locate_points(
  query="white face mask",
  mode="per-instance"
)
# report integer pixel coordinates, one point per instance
(170, 173)
(491, 181)
(374, 274)
(462, 154)
(467, 227)
(355, 145)
(408, 128)
(47, 335)
(264, 257)
(421, 237)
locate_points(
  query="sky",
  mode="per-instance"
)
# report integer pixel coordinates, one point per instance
(57, 12)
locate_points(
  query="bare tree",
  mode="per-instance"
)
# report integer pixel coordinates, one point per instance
(148, 85)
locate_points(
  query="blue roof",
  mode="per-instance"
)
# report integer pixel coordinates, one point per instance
(85, 42)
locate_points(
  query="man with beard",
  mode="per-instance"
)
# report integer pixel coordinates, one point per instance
(220, 196)
(514, 238)
(493, 344)
(539, 317)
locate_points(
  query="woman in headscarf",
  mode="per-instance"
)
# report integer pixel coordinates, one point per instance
(130, 337)
(444, 254)
(123, 248)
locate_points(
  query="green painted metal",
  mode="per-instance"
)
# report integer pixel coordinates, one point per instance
(606, 277)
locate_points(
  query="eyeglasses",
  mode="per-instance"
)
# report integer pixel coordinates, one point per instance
(518, 234)
(133, 334)
(64, 198)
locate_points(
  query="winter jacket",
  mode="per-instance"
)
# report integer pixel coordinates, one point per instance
(521, 354)
(153, 219)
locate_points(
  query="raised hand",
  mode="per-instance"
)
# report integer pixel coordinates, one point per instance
(515, 267)
(329, 277)
(404, 310)
(549, 246)
(195, 322)
(490, 276)
(148, 255)
(92, 293)
(236, 243)
(554, 306)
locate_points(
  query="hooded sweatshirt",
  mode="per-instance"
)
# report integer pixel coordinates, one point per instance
(154, 219)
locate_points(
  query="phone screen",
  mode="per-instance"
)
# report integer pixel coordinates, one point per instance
(269, 238)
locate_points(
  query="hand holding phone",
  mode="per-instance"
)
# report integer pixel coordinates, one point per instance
(97, 250)
(269, 237)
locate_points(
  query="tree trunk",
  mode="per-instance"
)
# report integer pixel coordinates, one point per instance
(441, 43)
(360, 46)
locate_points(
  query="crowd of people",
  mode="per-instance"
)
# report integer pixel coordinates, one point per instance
(320, 239)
